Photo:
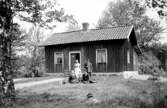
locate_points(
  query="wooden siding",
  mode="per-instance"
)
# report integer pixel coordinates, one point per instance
(116, 51)
(130, 66)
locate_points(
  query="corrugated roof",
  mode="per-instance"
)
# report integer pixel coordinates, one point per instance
(112, 33)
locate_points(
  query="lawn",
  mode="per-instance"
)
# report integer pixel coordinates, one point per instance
(110, 91)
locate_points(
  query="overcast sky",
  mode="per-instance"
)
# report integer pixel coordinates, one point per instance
(85, 10)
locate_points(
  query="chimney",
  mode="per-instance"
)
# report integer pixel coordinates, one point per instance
(85, 26)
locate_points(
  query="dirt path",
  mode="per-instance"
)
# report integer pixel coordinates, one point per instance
(34, 83)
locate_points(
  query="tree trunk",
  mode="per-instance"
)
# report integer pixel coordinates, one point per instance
(7, 90)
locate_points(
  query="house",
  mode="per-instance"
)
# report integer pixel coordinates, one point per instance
(112, 49)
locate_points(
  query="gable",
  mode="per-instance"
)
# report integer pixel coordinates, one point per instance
(132, 38)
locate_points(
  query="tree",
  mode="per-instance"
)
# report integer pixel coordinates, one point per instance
(72, 24)
(42, 14)
(159, 5)
(132, 13)
(34, 11)
(35, 36)
(9, 32)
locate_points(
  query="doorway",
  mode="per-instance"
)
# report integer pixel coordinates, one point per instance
(73, 56)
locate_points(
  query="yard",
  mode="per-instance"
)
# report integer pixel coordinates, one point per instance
(110, 91)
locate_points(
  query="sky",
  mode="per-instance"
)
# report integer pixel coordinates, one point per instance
(85, 10)
(91, 10)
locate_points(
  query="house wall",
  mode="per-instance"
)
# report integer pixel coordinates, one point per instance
(114, 55)
(130, 66)
(116, 51)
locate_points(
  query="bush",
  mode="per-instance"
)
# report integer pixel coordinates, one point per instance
(26, 67)
(149, 64)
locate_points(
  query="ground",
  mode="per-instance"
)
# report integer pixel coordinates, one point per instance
(109, 91)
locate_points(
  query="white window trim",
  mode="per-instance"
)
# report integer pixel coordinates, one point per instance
(128, 56)
(71, 52)
(62, 58)
(106, 54)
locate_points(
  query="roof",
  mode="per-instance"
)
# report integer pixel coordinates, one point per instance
(111, 33)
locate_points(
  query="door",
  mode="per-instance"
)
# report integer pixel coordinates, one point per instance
(101, 60)
(73, 57)
(58, 62)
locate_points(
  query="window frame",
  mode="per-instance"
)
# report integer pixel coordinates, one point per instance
(62, 56)
(105, 55)
(128, 56)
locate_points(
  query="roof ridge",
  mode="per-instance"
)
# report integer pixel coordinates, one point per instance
(113, 27)
(94, 29)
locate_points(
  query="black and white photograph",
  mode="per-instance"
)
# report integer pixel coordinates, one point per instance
(83, 53)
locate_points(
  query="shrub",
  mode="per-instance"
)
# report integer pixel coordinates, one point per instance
(149, 64)
(26, 67)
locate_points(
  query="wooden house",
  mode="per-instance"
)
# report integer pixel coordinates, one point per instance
(112, 49)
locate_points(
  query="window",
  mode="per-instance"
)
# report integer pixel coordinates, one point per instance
(101, 56)
(128, 56)
(58, 58)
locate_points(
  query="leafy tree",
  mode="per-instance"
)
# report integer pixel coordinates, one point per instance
(159, 5)
(147, 30)
(35, 36)
(8, 35)
(42, 14)
(73, 24)
(160, 50)
(130, 12)
(34, 11)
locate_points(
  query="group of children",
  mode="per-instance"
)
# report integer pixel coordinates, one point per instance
(81, 75)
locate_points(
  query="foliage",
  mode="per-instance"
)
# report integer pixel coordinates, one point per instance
(38, 12)
(159, 5)
(41, 12)
(73, 24)
(130, 12)
(24, 67)
(9, 33)
(159, 51)
(149, 64)
(36, 53)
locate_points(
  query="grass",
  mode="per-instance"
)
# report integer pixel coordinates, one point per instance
(111, 91)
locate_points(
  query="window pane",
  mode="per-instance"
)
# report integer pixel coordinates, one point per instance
(101, 56)
(128, 56)
(98, 58)
(58, 58)
(134, 58)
